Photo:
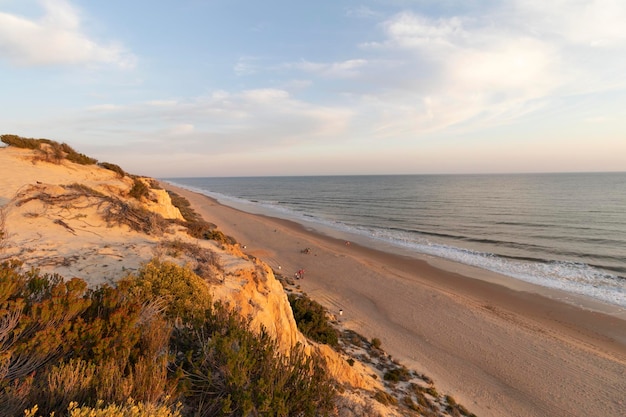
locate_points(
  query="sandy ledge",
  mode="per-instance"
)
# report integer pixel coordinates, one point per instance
(500, 347)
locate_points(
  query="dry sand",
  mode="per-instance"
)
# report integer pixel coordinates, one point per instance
(501, 350)
(69, 238)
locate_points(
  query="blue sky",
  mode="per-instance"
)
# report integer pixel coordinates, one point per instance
(232, 87)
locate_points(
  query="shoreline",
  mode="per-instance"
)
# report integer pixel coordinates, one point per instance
(468, 271)
(498, 350)
(585, 297)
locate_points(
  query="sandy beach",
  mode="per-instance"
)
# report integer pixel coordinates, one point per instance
(500, 347)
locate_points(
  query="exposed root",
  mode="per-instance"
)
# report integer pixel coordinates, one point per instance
(67, 226)
(204, 262)
(112, 209)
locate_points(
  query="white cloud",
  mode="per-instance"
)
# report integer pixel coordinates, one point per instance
(457, 71)
(524, 68)
(222, 122)
(362, 12)
(265, 95)
(409, 30)
(245, 66)
(478, 70)
(596, 23)
(55, 39)
(342, 69)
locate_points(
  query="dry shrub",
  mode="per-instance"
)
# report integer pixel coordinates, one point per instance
(14, 396)
(129, 409)
(67, 382)
(114, 211)
(196, 226)
(385, 398)
(205, 262)
(139, 219)
(3, 230)
(183, 205)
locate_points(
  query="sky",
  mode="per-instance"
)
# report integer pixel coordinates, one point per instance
(252, 88)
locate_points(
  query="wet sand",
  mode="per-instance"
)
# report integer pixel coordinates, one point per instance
(498, 346)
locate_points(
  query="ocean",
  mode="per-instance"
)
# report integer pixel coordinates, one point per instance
(565, 231)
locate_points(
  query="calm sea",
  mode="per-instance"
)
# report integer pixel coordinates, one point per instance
(564, 231)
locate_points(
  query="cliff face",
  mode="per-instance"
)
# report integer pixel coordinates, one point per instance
(80, 221)
(251, 288)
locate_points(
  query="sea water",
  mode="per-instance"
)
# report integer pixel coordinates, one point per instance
(565, 231)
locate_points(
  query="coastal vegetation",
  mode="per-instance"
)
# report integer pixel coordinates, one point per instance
(156, 337)
(196, 226)
(312, 320)
(113, 167)
(49, 150)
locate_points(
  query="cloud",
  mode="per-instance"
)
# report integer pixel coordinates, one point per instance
(595, 23)
(362, 12)
(245, 66)
(248, 121)
(55, 39)
(409, 30)
(341, 69)
(265, 95)
(482, 69)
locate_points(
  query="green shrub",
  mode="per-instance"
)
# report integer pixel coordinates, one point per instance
(196, 226)
(183, 205)
(376, 343)
(139, 189)
(73, 156)
(56, 153)
(20, 142)
(207, 231)
(385, 398)
(70, 344)
(397, 374)
(185, 295)
(312, 321)
(115, 168)
(240, 373)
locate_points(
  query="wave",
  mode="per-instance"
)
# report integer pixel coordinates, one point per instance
(575, 277)
(602, 282)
